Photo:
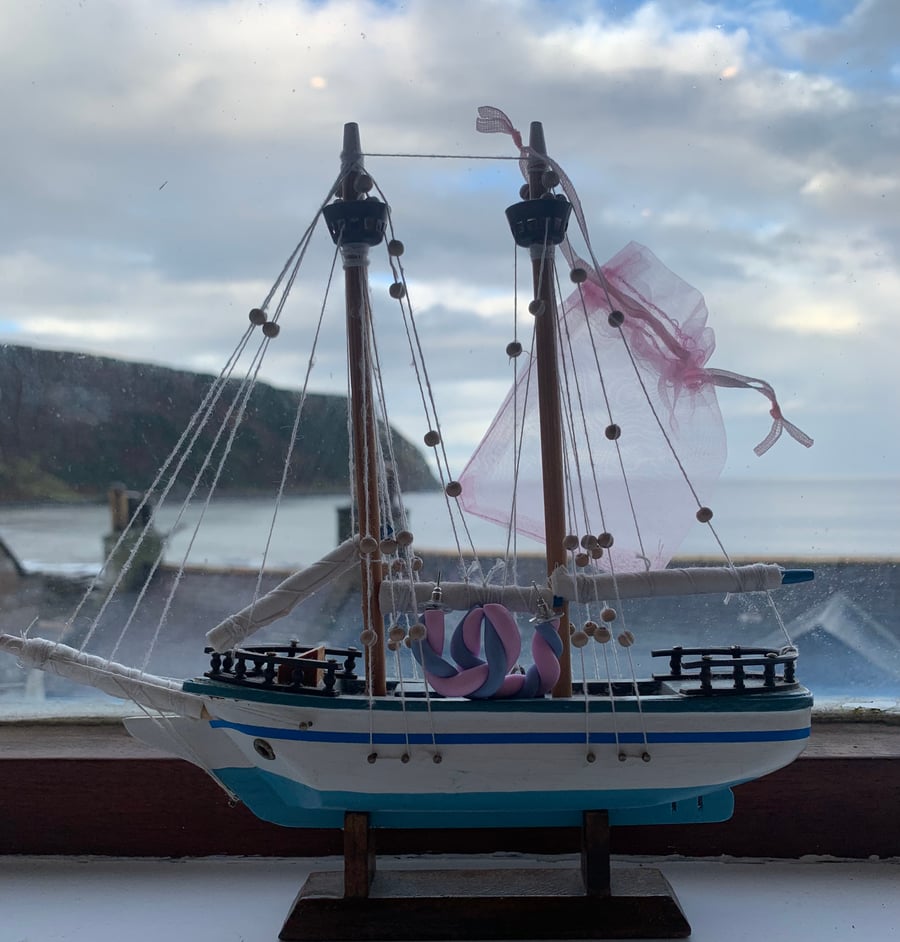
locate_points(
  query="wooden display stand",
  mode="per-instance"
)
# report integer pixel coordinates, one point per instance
(593, 903)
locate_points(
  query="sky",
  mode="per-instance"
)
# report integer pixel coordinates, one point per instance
(161, 158)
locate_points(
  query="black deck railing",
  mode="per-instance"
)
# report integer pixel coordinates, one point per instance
(725, 670)
(288, 668)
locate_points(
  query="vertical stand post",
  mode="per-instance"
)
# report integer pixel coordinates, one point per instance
(359, 855)
(595, 869)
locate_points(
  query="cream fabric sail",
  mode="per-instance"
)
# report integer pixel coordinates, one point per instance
(117, 680)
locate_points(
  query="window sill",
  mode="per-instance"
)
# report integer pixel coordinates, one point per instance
(91, 789)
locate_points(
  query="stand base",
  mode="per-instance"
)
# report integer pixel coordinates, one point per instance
(486, 904)
(594, 902)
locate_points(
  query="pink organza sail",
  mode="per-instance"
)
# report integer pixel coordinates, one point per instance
(651, 372)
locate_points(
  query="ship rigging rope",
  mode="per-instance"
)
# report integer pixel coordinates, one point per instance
(240, 401)
(606, 401)
(587, 705)
(165, 723)
(294, 432)
(565, 344)
(612, 699)
(511, 533)
(196, 424)
(444, 156)
(426, 394)
(386, 498)
(493, 120)
(402, 701)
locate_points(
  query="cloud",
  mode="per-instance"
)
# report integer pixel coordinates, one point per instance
(162, 159)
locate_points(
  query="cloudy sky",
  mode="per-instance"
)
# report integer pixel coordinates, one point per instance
(160, 159)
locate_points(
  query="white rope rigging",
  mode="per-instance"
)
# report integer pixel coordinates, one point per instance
(195, 427)
(295, 428)
(241, 400)
(378, 456)
(426, 395)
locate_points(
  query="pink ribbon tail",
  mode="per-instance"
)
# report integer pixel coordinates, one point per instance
(779, 422)
(492, 120)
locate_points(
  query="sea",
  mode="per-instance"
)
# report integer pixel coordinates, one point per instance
(845, 518)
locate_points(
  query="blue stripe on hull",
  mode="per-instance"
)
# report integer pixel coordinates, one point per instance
(492, 739)
(290, 804)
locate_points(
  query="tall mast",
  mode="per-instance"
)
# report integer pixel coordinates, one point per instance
(538, 223)
(357, 222)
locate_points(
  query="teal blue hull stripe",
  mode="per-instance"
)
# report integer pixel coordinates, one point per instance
(290, 804)
(494, 739)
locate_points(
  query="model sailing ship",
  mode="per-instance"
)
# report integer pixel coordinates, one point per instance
(460, 734)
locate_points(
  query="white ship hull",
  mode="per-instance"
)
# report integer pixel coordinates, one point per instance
(448, 762)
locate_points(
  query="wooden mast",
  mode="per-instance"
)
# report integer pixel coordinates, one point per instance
(357, 233)
(545, 219)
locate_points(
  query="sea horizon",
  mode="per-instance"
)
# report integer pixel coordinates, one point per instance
(823, 517)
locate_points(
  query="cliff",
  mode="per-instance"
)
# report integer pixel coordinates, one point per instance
(70, 424)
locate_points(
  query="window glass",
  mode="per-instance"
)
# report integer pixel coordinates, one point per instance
(162, 161)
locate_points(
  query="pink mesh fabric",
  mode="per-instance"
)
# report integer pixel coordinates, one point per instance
(655, 385)
(686, 404)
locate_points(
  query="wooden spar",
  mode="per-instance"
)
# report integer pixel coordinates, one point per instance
(362, 405)
(550, 411)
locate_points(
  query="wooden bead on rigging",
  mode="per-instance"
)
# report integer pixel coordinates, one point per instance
(367, 638)
(704, 514)
(602, 635)
(536, 307)
(258, 316)
(395, 248)
(453, 489)
(579, 639)
(605, 540)
(626, 639)
(363, 183)
(271, 329)
(417, 631)
(578, 276)
(549, 179)
(368, 545)
(416, 563)
(513, 349)
(396, 633)
(405, 538)
(570, 542)
(582, 559)
(388, 546)
(432, 438)
(397, 290)
(613, 432)
(616, 319)
(608, 614)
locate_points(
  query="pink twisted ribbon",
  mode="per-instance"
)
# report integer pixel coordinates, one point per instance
(477, 678)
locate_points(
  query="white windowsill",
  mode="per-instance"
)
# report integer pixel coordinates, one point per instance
(247, 899)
